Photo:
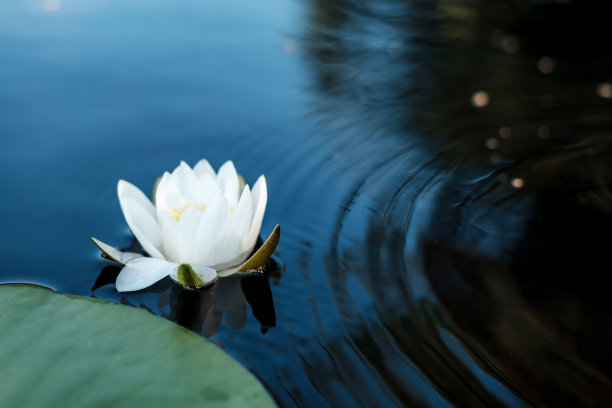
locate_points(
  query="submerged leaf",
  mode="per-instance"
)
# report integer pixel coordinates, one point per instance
(68, 351)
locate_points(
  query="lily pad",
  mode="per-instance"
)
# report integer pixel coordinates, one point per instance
(60, 350)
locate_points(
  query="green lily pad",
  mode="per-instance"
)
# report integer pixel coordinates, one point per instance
(60, 350)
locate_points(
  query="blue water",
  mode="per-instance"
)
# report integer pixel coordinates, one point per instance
(437, 249)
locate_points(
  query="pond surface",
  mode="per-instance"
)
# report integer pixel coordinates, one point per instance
(441, 170)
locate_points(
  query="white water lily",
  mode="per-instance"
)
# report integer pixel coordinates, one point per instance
(203, 225)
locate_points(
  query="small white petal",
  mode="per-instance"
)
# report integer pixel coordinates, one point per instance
(203, 167)
(234, 247)
(141, 222)
(127, 189)
(235, 260)
(169, 230)
(211, 229)
(228, 181)
(169, 195)
(205, 190)
(108, 251)
(260, 199)
(259, 259)
(228, 271)
(129, 256)
(186, 179)
(114, 254)
(243, 219)
(187, 232)
(141, 273)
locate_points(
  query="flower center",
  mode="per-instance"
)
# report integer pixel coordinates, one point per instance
(177, 213)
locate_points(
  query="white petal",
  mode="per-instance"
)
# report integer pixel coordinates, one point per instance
(114, 254)
(211, 229)
(140, 220)
(203, 167)
(243, 218)
(187, 232)
(259, 259)
(234, 248)
(141, 273)
(169, 230)
(130, 256)
(208, 275)
(127, 189)
(205, 190)
(186, 180)
(169, 195)
(260, 199)
(228, 271)
(228, 181)
(235, 260)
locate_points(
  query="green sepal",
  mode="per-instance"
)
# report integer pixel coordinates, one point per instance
(260, 258)
(187, 277)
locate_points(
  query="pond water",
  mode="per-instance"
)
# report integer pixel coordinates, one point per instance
(441, 170)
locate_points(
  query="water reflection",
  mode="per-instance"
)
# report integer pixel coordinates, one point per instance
(486, 196)
(201, 311)
(446, 204)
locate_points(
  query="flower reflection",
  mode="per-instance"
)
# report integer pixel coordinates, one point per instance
(201, 311)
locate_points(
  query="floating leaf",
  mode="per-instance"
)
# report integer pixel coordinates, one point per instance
(67, 351)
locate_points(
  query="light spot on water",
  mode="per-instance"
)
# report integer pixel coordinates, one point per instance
(543, 132)
(492, 143)
(546, 65)
(604, 90)
(517, 182)
(480, 99)
(52, 6)
(505, 132)
(290, 46)
(510, 44)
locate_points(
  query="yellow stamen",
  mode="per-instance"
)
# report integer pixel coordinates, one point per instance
(177, 213)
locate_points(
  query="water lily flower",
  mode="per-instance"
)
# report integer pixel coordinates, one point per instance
(203, 225)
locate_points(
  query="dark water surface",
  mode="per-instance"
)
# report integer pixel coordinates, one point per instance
(442, 171)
